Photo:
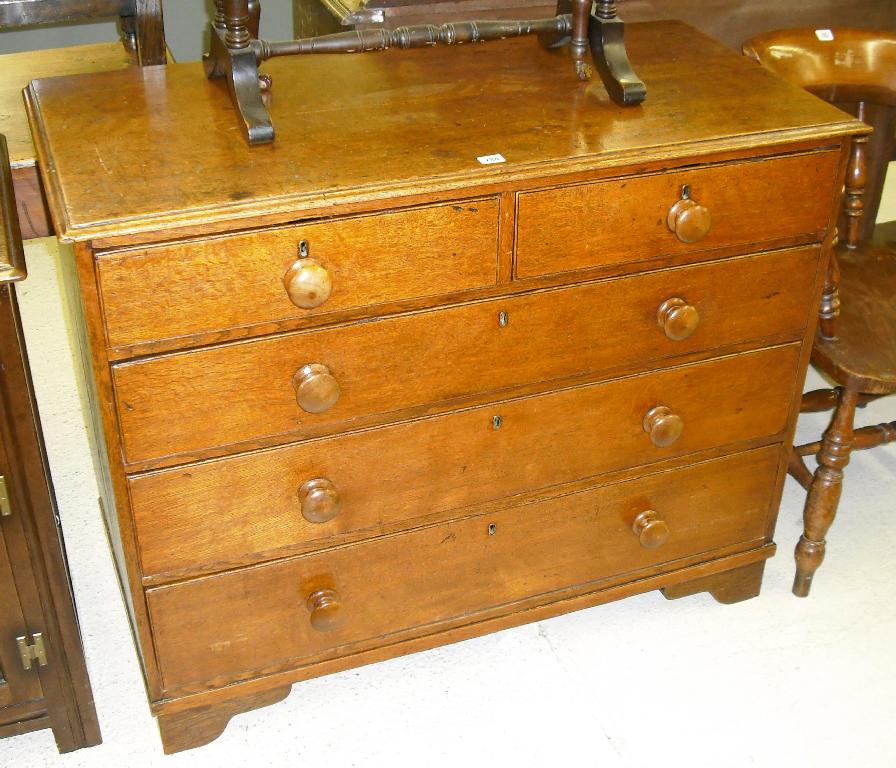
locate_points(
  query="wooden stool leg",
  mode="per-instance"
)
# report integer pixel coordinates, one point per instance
(798, 470)
(824, 493)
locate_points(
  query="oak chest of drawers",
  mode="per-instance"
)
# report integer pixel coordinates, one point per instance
(358, 395)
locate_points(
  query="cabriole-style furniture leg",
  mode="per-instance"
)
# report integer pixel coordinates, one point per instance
(230, 56)
(824, 493)
(597, 27)
(606, 33)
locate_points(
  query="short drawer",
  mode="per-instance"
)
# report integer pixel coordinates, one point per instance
(626, 220)
(233, 395)
(235, 511)
(217, 629)
(173, 291)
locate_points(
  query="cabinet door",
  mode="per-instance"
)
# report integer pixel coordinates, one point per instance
(16, 685)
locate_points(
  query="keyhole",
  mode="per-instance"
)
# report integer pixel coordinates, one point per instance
(492, 529)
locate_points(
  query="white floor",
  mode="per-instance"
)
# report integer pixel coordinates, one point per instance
(641, 682)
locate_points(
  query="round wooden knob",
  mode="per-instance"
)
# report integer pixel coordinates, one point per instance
(663, 426)
(316, 388)
(307, 283)
(325, 608)
(678, 319)
(650, 530)
(689, 220)
(319, 500)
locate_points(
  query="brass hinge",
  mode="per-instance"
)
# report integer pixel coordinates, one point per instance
(31, 653)
(5, 508)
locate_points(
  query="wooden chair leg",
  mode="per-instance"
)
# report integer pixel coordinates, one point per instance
(820, 400)
(862, 439)
(824, 493)
(798, 470)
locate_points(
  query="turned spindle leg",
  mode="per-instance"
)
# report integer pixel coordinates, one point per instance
(856, 179)
(579, 43)
(597, 27)
(829, 309)
(798, 470)
(824, 493)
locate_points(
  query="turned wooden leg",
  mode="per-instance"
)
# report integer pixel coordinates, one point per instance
(798, 470)
(727, 587)
(856, 178)
(824, 493)
(196, 727)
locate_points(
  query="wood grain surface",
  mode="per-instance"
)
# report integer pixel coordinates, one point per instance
(752, 204)
(19, 69)
(406, 124)
(218, 629)
(221, 283)
(242, 509)
(182, 404)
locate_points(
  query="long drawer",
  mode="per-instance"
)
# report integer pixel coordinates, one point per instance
(626, 220)
(242, 509)
(217, 629)
(180, 404)
(241, 281)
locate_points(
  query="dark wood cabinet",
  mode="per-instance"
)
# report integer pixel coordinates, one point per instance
(43, 676)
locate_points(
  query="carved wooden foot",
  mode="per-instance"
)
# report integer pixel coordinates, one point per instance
(727, 587)
(824, 493)
(240, 69)
(606, 34)
(196, 727)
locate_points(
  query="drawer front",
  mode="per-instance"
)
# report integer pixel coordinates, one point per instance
(404, 366)
(218, 629)
(172, 291)
(238, 510)
(627, 220)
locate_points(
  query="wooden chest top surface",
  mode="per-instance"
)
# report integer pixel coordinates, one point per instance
(159, 148)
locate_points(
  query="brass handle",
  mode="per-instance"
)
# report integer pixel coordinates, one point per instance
(326, 612)
(663, 426)
(316, 388)
(12, 255)
(689, 220)
(308, 284)
(651, 531)
(677, 318)
(5, 506)
(319, 500)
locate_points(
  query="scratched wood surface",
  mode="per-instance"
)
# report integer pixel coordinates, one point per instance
(383, 478)
(169, 292)
(406, 123)
(213, 630)
(186, 403)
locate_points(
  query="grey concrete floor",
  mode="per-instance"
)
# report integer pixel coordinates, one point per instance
(641, 682)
